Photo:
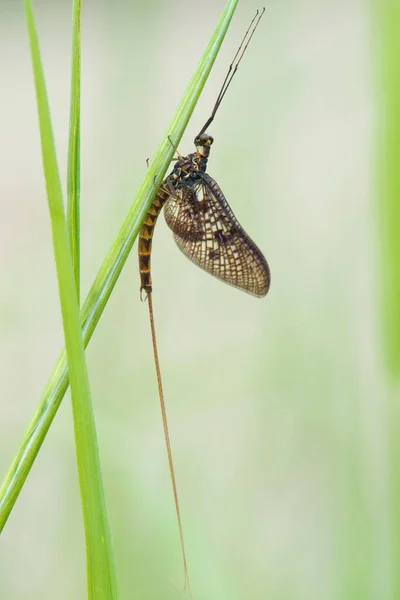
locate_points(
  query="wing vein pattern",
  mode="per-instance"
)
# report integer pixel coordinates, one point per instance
(208, 233)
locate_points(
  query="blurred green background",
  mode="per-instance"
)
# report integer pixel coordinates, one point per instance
(278, 408)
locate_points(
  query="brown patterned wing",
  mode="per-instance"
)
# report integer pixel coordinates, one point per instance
(183, 214)
(208, 233)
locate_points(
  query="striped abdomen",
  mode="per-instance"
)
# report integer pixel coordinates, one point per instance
(146, 238)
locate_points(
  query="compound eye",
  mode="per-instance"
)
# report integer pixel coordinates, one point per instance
(203, 140)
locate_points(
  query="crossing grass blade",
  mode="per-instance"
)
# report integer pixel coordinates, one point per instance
(109, 272)
(100, 561)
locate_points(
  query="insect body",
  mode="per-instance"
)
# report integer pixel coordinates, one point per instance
(204, 226)
(207, 232)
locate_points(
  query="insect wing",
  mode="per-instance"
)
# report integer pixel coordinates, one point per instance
(183, 214)
(208, 233)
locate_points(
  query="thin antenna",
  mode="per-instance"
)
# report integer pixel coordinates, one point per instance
(234, 66)
(168, 443)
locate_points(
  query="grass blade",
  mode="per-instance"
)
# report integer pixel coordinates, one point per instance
(388, 16)
(73, 173)
(109, 273)
(100, 563)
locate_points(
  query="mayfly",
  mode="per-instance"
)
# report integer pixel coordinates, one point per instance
(206, 231)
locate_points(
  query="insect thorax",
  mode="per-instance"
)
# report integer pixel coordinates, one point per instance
(186, 170)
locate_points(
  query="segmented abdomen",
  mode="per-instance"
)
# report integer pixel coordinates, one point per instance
(145, 240)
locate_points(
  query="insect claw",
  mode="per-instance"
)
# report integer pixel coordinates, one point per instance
(141, 295)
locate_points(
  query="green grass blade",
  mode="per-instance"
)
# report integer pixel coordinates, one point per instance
(100, 563)
(73, 172)
(388, 17)
(109, 273)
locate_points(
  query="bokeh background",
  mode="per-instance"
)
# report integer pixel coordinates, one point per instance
(277, 407)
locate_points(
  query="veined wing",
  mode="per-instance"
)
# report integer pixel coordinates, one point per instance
(183, 213)
(208, 233)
